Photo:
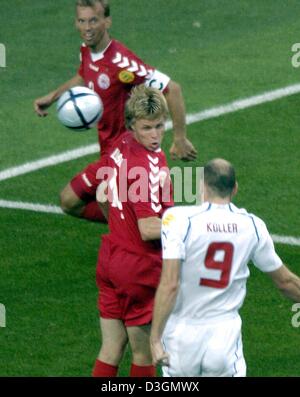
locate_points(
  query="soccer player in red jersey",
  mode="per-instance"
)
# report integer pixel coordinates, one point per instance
(137, 190)
(111, 69)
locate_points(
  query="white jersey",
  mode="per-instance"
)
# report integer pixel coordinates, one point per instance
(215, 243)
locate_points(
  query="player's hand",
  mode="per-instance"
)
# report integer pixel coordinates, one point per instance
(41, 104)
(159, 356)
(183, 149)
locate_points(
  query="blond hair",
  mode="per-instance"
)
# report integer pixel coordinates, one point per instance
(92, 3)
(145, 103)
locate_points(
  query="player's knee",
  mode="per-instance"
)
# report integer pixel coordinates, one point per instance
(68, 203)
(112, 353)
(141, 355)
(215, 363)
(65, 204)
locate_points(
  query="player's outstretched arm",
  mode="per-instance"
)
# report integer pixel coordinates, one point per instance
(165, 298)
(42, 103)
(287, 282)
(181, 148)
(149, 228)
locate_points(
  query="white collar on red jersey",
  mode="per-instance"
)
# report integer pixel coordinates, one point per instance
(96, 56)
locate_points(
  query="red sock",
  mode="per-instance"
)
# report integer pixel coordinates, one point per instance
(92, 212)
(147, 371)
(103, 370)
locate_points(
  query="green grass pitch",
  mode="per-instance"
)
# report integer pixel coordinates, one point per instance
(219, 51)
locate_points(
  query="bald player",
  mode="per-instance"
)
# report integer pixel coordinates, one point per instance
(196, 328)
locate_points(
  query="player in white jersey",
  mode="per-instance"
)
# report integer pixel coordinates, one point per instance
(196, 329)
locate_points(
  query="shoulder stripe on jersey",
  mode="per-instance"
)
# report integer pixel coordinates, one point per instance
(249, 216)
(199, 213)
(132, 66)
(190, 223)
(188, 230)
(254, 227)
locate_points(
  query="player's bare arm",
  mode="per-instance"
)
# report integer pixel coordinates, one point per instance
(149, 228)
(287, 282)
(43, 103)
(181, 148)
(164, 301)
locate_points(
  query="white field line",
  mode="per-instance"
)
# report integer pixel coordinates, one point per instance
(52, 209)
(48, 161)
(191, 118)
(94, 148)
(241, 104)
(18, 205)
(288, 240)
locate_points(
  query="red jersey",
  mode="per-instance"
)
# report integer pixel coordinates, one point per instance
(140, 187)
(112, 73)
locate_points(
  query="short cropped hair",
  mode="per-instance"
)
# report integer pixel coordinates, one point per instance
(92, 3)
(219, 177)
(145, 103)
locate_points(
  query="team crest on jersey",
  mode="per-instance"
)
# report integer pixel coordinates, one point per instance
(103, 81)
(126, 77)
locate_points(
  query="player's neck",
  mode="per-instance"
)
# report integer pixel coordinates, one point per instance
(218, 200)
(102, 45)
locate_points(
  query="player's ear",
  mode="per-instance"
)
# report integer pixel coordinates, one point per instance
(108, 23)
(132, 125)
(235, 189)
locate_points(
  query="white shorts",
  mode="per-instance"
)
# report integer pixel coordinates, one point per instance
(213, 349)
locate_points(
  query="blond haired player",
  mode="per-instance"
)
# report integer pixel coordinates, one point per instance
(112, 70)
(130, 260)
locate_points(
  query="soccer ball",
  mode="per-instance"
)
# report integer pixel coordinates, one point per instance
(79, 108)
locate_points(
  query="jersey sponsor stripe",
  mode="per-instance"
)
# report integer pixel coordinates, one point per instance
(191, 118)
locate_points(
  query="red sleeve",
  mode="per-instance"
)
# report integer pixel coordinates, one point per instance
(138, 68)
(136, 71)
(145, 210)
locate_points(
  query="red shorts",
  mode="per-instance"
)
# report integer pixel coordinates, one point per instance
(86, 182)
(127, 282)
